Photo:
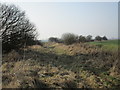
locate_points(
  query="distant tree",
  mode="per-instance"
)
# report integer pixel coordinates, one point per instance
(82, 38)
(53, 39)
(88, 38)
(69, 38)
(98, 38)
(15, 29)
(104, 38)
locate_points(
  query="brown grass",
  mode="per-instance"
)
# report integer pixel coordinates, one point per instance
(61, 66)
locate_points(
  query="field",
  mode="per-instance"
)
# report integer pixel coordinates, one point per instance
(111, 45)
(55, 65)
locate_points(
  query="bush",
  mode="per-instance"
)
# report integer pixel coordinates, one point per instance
(104, 38)
(98, 38)
(81, 39)
(69, 38)
(89, 38)
(15, 29)
(35, 42)
(53, 39)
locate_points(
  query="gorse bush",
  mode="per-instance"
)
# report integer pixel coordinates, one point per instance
(15, 29)
(69, 38)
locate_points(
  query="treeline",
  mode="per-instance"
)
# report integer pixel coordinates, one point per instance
(70, 38)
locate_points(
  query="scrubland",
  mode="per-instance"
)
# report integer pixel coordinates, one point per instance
(55, 65)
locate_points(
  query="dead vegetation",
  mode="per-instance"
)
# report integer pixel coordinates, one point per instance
(61, 66)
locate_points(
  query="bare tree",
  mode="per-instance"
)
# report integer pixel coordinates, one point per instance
(15, 28)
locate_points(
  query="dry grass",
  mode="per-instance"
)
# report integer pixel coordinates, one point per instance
(61, 66)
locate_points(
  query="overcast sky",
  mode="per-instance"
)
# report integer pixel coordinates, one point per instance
(52, 19)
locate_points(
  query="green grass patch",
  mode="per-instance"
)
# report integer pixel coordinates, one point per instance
(110, 45)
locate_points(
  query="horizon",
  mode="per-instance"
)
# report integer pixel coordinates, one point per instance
(52, 19)
(46, 40)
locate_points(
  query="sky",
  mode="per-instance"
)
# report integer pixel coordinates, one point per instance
(52, 19)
